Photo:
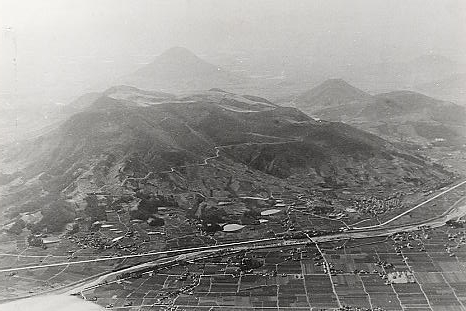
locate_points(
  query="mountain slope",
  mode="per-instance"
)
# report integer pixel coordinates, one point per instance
(120, 136)
(330, 93)
(399, 115)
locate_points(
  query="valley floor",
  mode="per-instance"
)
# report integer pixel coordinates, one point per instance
(396, 267)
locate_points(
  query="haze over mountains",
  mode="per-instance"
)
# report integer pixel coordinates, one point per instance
(296, 73)
(400, 115)
(178, 69)
(452, 87)
(408, 74)
(330, 93)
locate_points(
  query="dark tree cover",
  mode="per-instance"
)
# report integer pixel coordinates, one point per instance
(57, 215)
(249, 221)
(250, 263)
(157, 200)
(251, 213)
(74, 228)
(196, 202)
(213, 215)
(249, 217)
(93, 209)
(137, 214)
(35, 241)
(17, 227)
(211, 227)
(148, 206)
(34, 228)
(156, 222)
(143, 195)
(145, 209)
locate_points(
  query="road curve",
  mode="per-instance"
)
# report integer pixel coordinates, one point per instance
(205, 160)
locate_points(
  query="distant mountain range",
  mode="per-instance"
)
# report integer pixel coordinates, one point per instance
(331, 93)
(180, 70)
(434, 75)
(398, 115)
(278, 76)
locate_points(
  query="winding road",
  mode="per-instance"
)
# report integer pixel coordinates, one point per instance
(217, 149)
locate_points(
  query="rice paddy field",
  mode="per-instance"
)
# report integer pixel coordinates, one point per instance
(327, 276)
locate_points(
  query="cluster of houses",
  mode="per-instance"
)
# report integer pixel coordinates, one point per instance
(377, 206)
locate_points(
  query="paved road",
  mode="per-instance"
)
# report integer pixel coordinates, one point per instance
(151, 254)
(454, 212)
(360, 232)
(193, 253)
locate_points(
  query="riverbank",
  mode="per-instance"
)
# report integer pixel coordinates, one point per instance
(50, 303)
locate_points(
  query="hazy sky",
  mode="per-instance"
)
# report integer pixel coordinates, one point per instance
(59, 48)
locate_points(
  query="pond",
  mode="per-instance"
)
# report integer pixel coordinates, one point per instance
(51, 240)
(232, 227)
(270, 212)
